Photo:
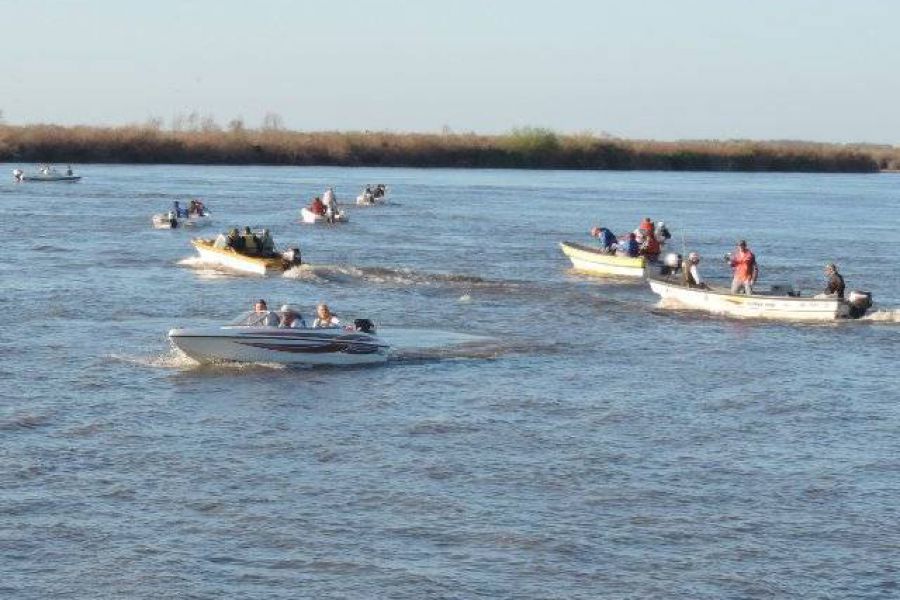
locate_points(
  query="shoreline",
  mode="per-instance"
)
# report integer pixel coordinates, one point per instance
(527, 148)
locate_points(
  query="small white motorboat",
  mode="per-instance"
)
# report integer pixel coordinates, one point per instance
(170, 221)
(246, 340)
(45, 174)
(372, 195)
(308, 216)
(779, 303)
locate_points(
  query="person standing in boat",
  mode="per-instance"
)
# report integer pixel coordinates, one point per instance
(746, 271)
(69, 170)
(663, 234)
(650, 247)
(606, 238)
(330, 202)
(834, 287)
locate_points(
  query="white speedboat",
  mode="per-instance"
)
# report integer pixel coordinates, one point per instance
(245, 340)
(46, 174)
(170, 221)
(308, 216)
(778, 303)
(218, 253)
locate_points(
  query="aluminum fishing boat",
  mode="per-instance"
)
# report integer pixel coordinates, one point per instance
(595, 261)
(46, 174)
(170, 221)
(246, 340)
(779, 303)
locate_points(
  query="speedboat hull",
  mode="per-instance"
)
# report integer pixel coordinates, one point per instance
(596, 262)
(335, 347)
(308, 216)
(755, 306)
(370, 200)
(227, 257)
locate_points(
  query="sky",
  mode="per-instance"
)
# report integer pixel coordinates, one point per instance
(821, 70)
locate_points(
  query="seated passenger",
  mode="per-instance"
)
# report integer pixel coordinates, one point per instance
(291, 318)
(251, 242)
(606, 238)
(262, 316)
(628, 247)
(692, 271)
(317, 207)
(324, 318)
(662, 233)
(234, 240)
(650, 248)
(266, 244)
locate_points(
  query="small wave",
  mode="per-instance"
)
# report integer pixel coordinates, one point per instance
(394, 276)
(23, 421)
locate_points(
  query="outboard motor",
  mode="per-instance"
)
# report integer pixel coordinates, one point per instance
(292, 256)
(364, 325)
(860, 303)
(671, 264)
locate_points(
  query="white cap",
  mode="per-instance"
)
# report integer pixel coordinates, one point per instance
(289, 308)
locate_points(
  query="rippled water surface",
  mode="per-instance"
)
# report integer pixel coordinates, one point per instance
(538, 434)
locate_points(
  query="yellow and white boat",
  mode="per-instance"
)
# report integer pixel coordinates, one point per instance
(232, 259)
(592, 260)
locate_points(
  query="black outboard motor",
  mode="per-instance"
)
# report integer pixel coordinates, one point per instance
(860, 303)
(364, 325)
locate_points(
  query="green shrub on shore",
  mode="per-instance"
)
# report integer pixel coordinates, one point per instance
(528, 147)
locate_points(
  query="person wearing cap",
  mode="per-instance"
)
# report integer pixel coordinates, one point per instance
(606, 238)
(662, 233)
(262, 316)
(690, 268)
(746, 271)
(291, 318)
(646, 227)
(834, 287)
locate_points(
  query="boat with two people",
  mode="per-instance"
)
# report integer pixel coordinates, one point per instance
(372, 194)
(317, 212)
(248, 252)
(195, 215)
(46, 173)
(284, 337)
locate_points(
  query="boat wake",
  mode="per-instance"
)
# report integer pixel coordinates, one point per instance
(205, 270)
(889, 315)
(385, 276)
(176, 360)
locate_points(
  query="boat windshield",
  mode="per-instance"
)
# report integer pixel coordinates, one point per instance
(251, 318)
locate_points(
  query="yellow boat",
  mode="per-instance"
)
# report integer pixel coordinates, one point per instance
(228, 257)
(592, 260)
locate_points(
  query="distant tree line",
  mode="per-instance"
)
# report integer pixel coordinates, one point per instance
(197, 139)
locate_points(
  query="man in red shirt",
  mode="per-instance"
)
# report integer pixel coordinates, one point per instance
(743, 261)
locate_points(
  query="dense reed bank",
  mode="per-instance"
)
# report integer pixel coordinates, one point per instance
(522, 148)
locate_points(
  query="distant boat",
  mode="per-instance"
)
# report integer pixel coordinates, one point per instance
(46, 174)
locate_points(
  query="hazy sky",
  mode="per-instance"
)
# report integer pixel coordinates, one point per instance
(765, 69)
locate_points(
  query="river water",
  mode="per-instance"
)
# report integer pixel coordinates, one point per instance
(538, 434)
